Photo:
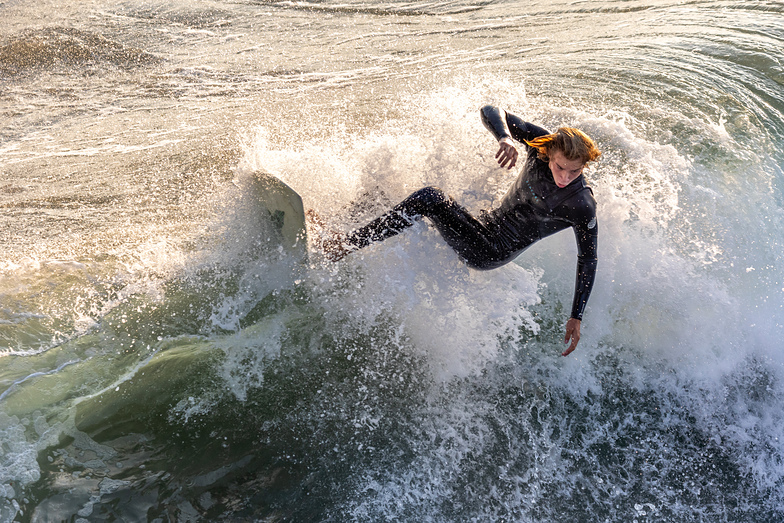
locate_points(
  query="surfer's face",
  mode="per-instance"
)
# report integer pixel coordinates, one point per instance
(564, 171)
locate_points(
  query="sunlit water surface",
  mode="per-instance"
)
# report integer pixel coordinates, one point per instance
(163, 358)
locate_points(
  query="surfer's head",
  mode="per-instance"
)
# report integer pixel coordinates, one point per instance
(573, 144)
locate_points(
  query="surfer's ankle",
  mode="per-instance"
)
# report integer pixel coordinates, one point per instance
(313, 219)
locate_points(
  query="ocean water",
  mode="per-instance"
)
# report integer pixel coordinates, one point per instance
(164, 358)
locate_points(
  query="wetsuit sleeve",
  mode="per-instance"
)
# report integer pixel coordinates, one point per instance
(587, 235)
(506, 125)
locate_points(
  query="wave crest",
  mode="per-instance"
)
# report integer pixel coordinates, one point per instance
(66, 47)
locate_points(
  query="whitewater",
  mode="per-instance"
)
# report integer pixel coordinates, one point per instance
(164, 357)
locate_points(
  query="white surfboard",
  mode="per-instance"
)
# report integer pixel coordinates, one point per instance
(285, 209)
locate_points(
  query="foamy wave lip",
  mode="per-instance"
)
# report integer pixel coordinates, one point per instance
(454, 316)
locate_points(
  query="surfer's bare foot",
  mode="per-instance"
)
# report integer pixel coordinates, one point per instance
(334, 248)
(330, 242)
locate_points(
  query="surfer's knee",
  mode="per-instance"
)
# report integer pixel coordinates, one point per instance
(428, 198)
(433, 195)
(421, 202)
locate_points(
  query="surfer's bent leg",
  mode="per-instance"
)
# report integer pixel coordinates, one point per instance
(464, 233)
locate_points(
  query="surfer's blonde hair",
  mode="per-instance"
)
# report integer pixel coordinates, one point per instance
(573, 144)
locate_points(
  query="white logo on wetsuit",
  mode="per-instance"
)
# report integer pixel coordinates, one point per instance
(592, 223)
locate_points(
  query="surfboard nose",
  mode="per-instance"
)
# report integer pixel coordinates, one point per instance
(285, 208)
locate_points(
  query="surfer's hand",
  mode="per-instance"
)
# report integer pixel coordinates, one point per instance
(572, 333)
(507, 153)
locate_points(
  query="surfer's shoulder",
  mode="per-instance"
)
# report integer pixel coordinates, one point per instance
(583, 204)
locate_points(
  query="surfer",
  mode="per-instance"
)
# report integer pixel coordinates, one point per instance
(548, 196)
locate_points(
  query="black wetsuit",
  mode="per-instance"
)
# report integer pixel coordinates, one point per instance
(534, 207)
